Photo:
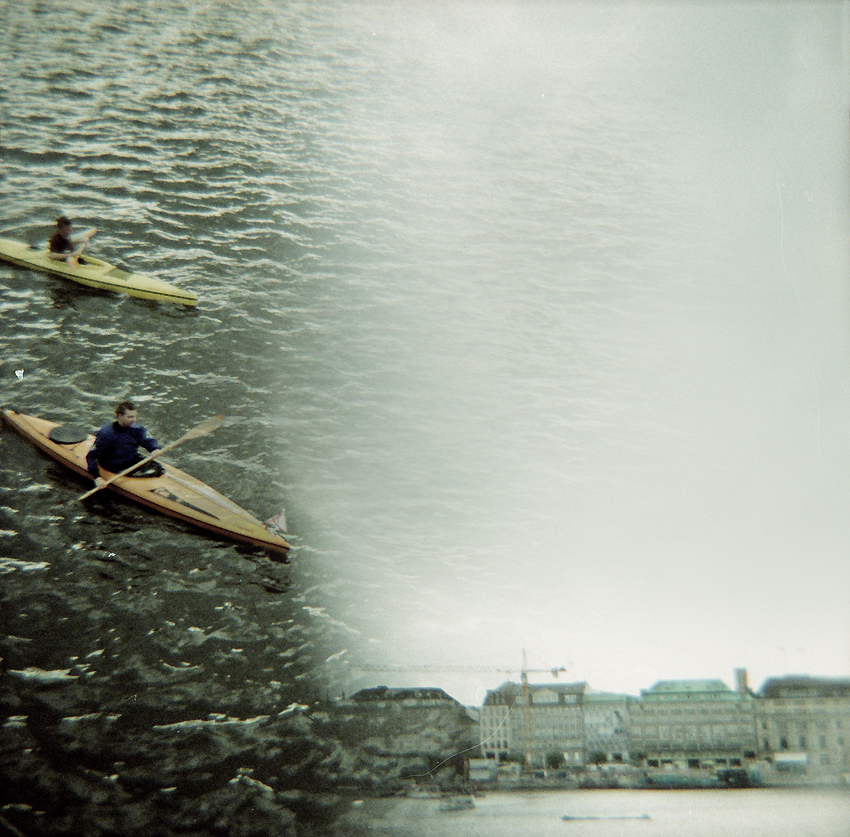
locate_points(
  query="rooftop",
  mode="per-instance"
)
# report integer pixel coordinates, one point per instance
(510, 691)
(802, 685)
(378, 693)
(686, 689)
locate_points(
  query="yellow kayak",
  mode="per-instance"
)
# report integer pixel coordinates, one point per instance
(95, 273)
(174, 493)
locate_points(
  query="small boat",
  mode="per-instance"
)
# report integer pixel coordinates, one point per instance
(174, 493)
(457, 803)
(568, 818)
(94, 273)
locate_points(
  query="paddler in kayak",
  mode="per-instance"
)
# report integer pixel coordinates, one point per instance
(61, 247)
(116, 446)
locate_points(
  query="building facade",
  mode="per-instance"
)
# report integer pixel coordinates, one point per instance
(550, 726)
(793, 725)
(803, 724)
(693, 724)
(606, 727)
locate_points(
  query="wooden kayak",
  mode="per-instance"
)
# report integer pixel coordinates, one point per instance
(174, 493)
(95, 273)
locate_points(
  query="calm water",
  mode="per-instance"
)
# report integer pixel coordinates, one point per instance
(758, 813)
(537, 315)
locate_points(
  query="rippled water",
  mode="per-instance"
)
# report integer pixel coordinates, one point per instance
(179, 133)
(536, 314)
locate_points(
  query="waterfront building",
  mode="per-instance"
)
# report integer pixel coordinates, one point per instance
(393, 734)
(803, 724)
(606, 727)
(550, 725)
(794, 730)
(388, 711)
(693, 724)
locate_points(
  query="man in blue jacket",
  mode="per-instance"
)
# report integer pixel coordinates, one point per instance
(116, 445)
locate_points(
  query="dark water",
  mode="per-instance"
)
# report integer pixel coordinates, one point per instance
(537, 318)
(147, 125)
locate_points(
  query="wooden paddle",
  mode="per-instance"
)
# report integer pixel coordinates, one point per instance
(202, 429)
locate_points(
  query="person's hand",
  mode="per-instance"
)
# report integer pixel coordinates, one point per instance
(99, 482)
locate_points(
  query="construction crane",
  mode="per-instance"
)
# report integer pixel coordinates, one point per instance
(525, 688)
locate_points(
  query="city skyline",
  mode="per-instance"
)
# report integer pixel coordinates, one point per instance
(461, 684)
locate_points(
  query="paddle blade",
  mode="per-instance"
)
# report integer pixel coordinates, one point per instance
(204, 427)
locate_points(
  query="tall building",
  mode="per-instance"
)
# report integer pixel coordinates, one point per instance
(550, 725)
(693, 723)
(803, 723)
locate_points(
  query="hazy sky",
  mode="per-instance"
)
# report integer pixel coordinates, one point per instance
(611, 366)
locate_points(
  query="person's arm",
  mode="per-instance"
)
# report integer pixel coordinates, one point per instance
(100, 444)
(91, 459)
(83, 238)
(80, 240)
(103, 443)
(147, 441)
